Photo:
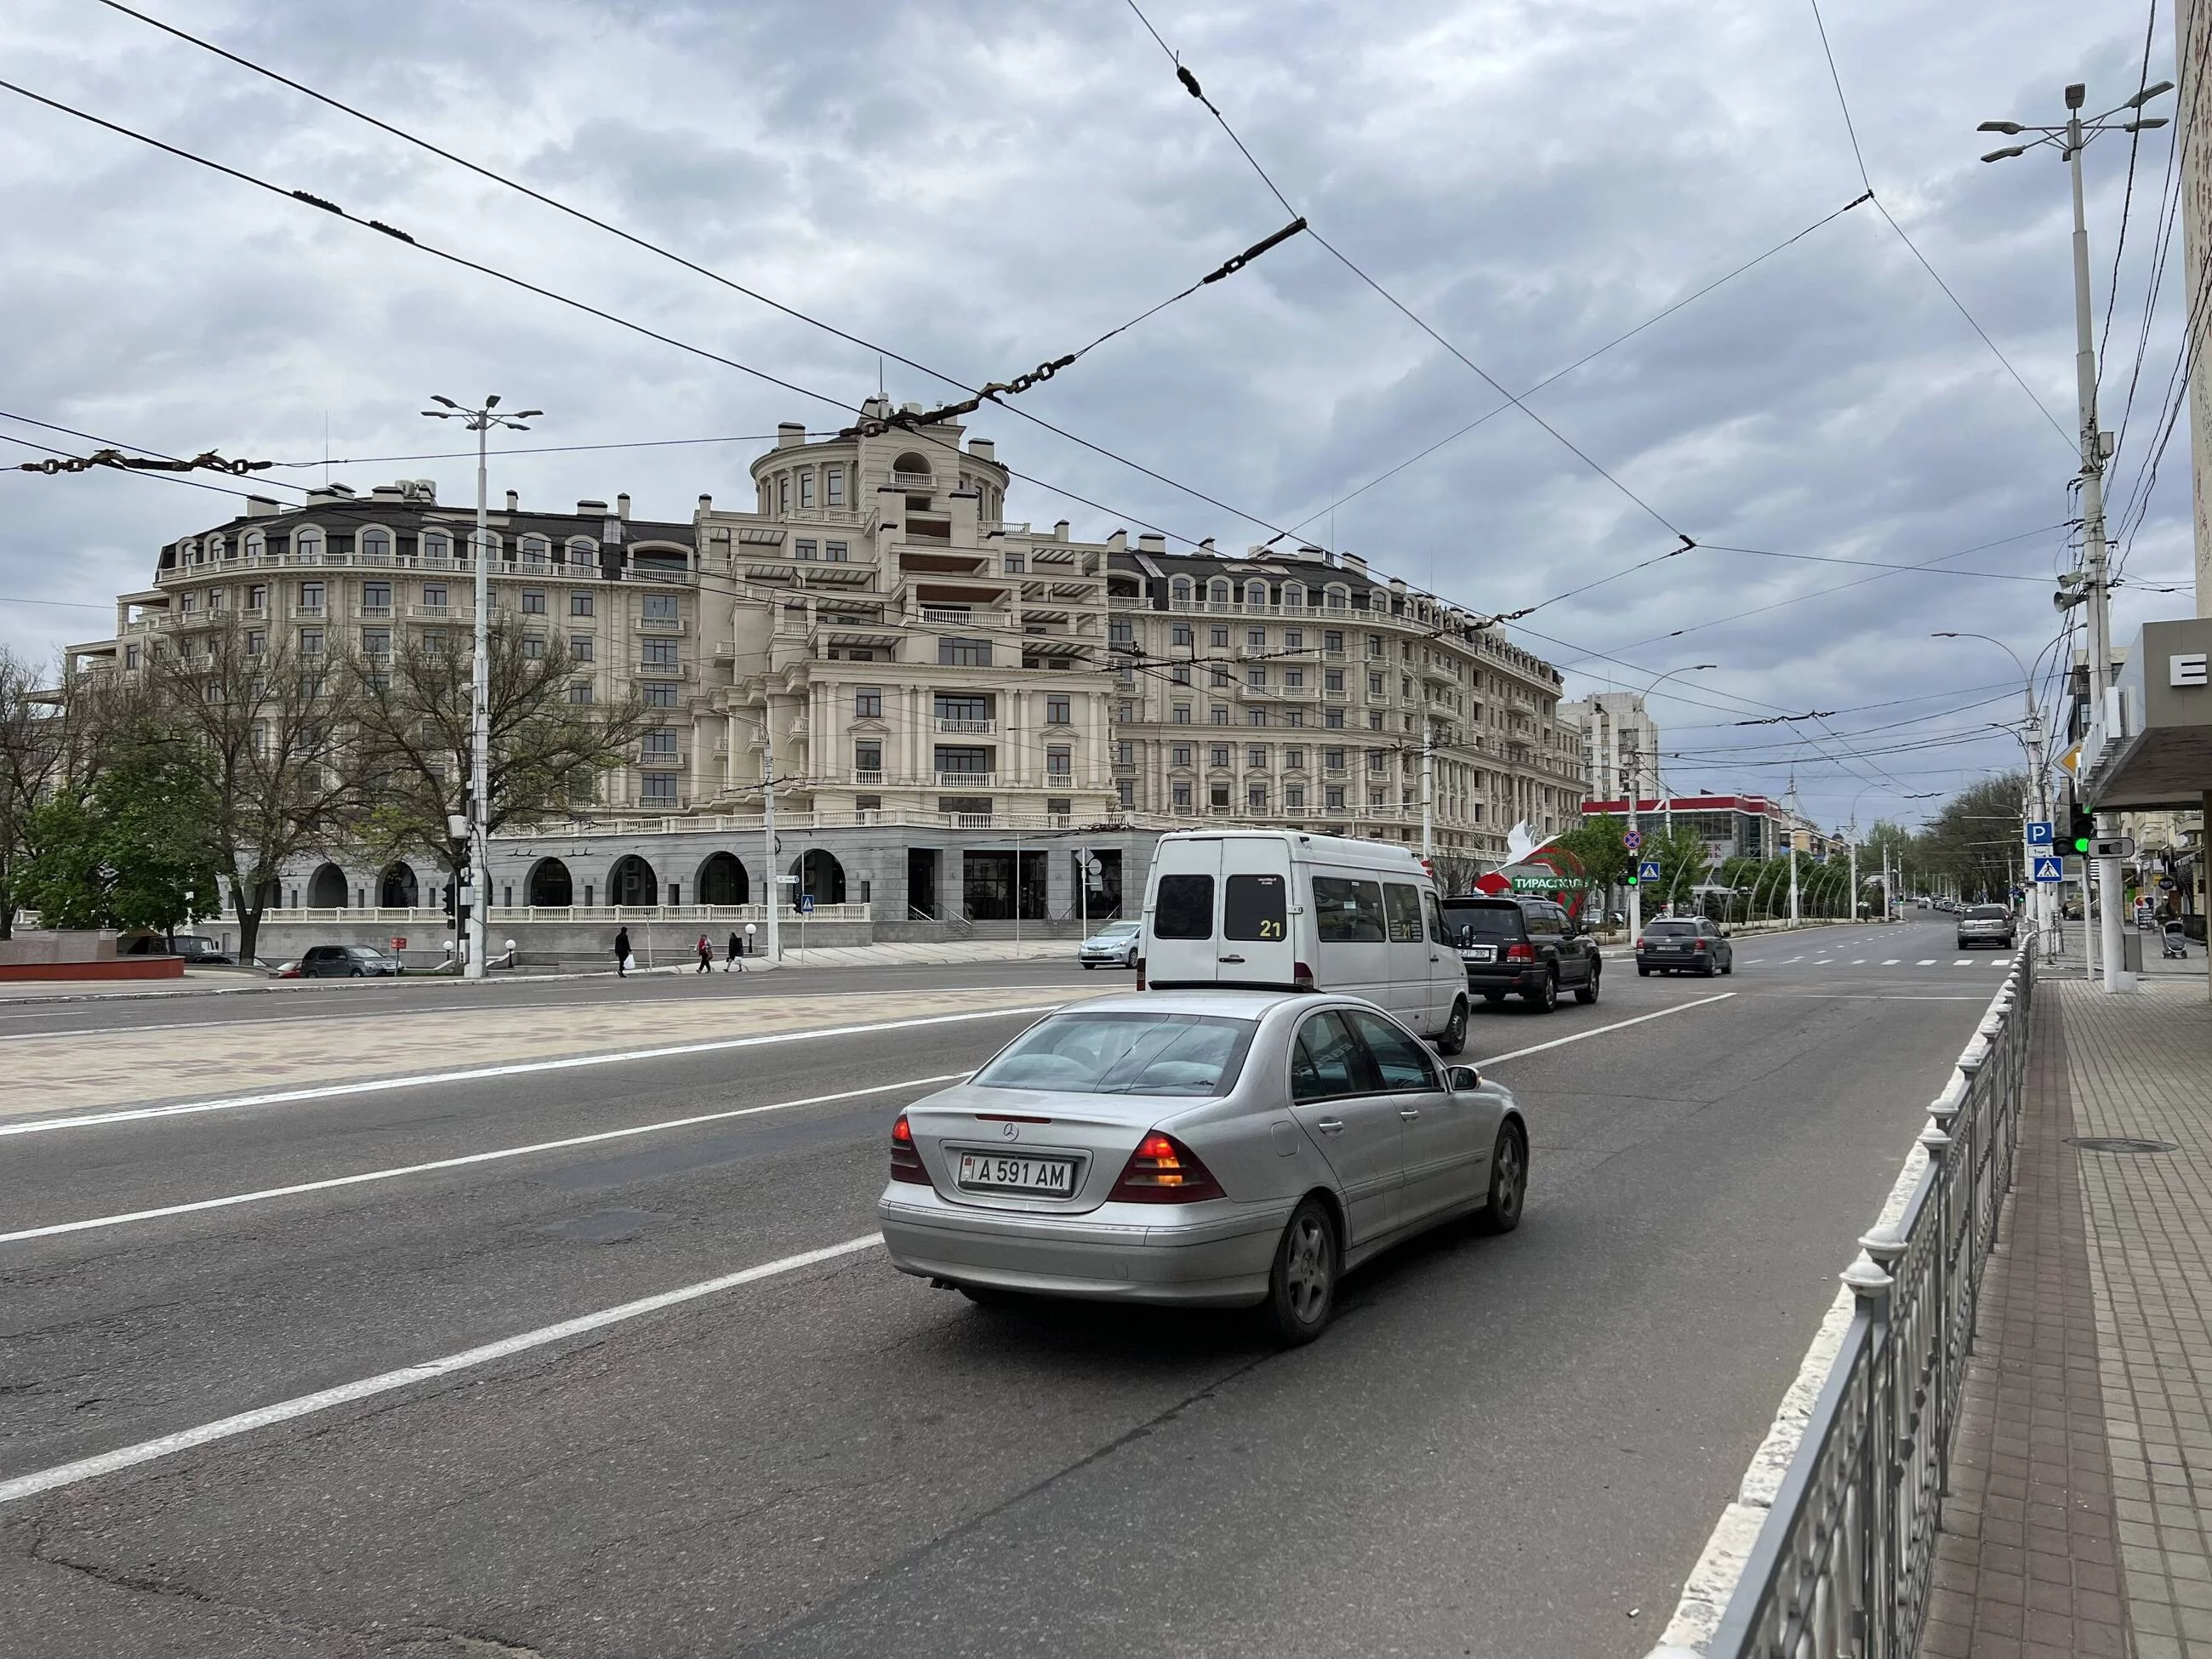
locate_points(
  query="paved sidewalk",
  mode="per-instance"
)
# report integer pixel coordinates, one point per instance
(2080, 1520)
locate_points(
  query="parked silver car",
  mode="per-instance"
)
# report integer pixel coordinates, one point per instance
(1117, 945)
(1214, 1148)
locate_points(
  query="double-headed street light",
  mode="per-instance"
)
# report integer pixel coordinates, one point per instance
(2031, 735)
(1635, 886)
(476, 893)
(2070, 139)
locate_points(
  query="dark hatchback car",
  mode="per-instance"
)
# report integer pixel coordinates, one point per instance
(1530, 947)
(1684, 946)
(347, 962)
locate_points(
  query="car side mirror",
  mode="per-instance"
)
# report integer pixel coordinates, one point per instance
(1461, 1079)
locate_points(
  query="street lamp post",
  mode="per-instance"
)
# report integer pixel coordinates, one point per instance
(2071, 140)
(2039, 781)
(480, 422)
(1635, 773)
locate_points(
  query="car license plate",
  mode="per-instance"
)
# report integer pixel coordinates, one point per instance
(1482, 953)
(990, 1172)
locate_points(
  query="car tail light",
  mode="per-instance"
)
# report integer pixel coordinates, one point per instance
(1522, 952)
(906, 1163)
(1701, 945)
(1639, 945)
(1302, 977)
(1163, 1170)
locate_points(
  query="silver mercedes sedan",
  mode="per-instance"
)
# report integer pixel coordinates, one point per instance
(1210, 1148)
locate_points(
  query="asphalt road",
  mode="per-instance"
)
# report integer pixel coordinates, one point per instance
(1504, 1446)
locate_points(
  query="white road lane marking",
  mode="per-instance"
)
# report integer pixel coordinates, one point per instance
(1964, 962)
(1925, 962)
(517, 1068)
(1890, 961)
(1600, 1031)
(230, 1199)
(124, 1457)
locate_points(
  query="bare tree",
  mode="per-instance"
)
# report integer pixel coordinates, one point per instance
(280, 728)
(551, 743)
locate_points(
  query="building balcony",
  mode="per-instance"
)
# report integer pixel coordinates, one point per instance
(662, 759)
(966, 780)
(661, 625)
(868, 777)
(372, 613)
(966, 728)
(663, 671)
(1329, 694)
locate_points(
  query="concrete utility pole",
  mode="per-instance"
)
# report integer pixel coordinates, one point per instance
(1635, 856)
(478, 885)
(1428, 796)
(2071, 139)
(767, 826)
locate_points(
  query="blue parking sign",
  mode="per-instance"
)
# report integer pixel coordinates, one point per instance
(2040, 834)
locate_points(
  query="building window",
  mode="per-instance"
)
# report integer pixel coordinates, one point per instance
(1181, 754)
(1294, 797)
(660, 743)
(257, 642)
(1333, 719)
(1220, 637)
(1180, 674)
(580, 648)
(657, 789)
(1294, 759)
(1374, 720)
(1294, 639)
(307, 544)
(1374, 685)
(1181, 633)
(437, 544)
(1122, 631)
(1375, 759)
(1056, 711)
(257, 596)
(1015, 566)
(835, 552)
(217, 596)
(1256, 758)
(1256, 638)
(660, 653)
(1126, 788)
(662, 607)
(1125, 754)
(1059, 763)
(1182, 795)
(1217, 756)
(1182, 713)
(376, 545)
(806, 489)
(1333, 798)
(659, 697)
(580, 692)
(803, 550)
(311, 596)
(1255, 797)
(189, 605)
(582, 550)
(129, 656)
(580, 605)
(868, 756)
(434, 598)
(833, 484)
(783, 493)
(534, 646)
(1255, 717)
(533, 601)
(1179, 593)
(376, 596)
(1220, 714)
(959, 706)
(964, 653)
(868, 702)
(1256, 675)
(1217, 797)
(1375, 645)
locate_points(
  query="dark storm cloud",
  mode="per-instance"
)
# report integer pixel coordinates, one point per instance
(981, 187)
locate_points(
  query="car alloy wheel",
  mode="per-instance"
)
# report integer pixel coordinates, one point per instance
(1508, 1182)
(1545, 1001)
(1588, 994)
(1454, 1035)
(1130, 961)
(1301, 1285)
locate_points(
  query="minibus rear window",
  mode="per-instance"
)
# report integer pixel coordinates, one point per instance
(1184, 908)
(1256, 907)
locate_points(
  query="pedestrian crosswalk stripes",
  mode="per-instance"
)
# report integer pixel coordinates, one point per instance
(1997, 962)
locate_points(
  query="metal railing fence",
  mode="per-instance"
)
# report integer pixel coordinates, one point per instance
(1841, 1567)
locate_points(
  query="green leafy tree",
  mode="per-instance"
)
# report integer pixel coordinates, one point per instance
(1596, 845)
(1975, 840)
(1684, 863)
(136, 849)
(52, 740)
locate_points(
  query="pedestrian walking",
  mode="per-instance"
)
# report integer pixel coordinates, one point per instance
(737, 963)
(706, 955)
(621, 953)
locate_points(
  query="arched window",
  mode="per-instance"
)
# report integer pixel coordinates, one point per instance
(307, 544)
(397, 888)
(821, 877)
(1217, 592)
(375, 544)
(909, 466)
(632, 882)
(437, 544)
(1294, 595)
(1338, 597)
(583, 551)
(257, 544)
(216, 548)
(536, 548)
(722, 880)
(1256, 593)
(327, 889)
(550, 885)
(1179, 590)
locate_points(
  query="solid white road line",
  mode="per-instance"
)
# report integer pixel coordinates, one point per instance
(1891, 962)
(1600, 1031)
(518, 1068)
(232, 1199)
(88, 1468)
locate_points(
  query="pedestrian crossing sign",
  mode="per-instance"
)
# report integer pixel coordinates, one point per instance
(2050, 869)
(1648, 870)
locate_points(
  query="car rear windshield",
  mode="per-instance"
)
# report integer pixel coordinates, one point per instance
(1988, 912)
(1124, 1054)
(1467, 923)
(1670, 929)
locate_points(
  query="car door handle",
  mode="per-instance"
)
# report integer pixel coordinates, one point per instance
(1410, 1113)
(1331, 1126)
(1229, 958)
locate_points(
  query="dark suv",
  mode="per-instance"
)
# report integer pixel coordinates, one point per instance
(1684, 945)
(1527, 946)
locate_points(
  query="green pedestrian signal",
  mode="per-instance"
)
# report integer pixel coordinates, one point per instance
(2080, 831)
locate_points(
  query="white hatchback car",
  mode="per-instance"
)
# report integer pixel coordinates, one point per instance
(1215, 1148)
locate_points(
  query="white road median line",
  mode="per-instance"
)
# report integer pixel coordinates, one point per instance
(88, 1468)
(518, 1068)
(1600, 1031)
(461, 1161)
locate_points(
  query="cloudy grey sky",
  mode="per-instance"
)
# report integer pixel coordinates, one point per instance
(981, 187)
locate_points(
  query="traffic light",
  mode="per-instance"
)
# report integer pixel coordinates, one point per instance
(1631, 877)
(2080, 831)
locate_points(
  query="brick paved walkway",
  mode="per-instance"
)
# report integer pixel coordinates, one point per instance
(2081, 1519)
